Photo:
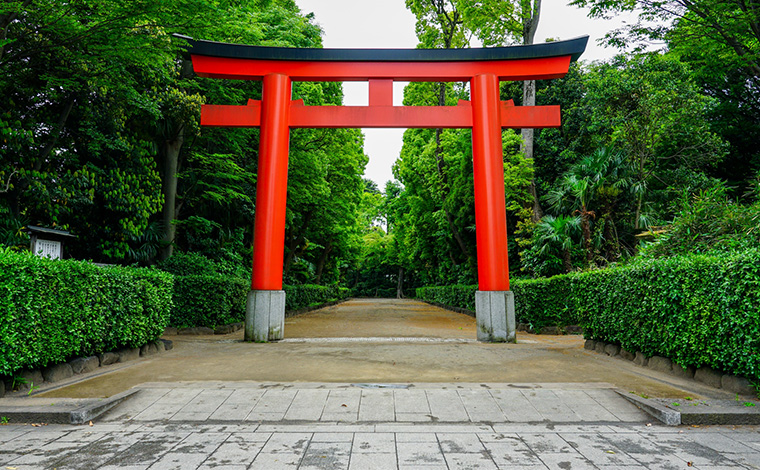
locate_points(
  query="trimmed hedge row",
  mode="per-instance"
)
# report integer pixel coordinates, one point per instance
(454, 296)
(695, 310)
(215, 300)
(54, 310)
(209, 300)
(308, 295)
(530, 305)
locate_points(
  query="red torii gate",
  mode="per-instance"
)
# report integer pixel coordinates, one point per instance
(276, 113)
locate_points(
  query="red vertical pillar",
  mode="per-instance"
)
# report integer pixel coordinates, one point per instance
(272, 184)
(488, 170)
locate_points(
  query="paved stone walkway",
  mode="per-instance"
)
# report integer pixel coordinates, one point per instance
(378, 403)
(333, 426)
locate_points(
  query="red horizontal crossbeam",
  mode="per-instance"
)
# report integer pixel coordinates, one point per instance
(434, 117)
(255, 69)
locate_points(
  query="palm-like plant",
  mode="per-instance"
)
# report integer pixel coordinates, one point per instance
(597, 179)
(557, 233)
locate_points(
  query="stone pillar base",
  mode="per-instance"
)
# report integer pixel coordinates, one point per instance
(265, 316)
(495, 316)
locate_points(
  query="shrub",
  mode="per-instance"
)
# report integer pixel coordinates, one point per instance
(55, 310)
(697, 310)
(297, 297)
(452, 296)
(208, 300)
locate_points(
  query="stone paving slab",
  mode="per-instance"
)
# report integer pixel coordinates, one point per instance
(373, 403)
(432, 446)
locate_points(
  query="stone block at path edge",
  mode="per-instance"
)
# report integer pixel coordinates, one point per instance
(589, 345)
(599, 347)
(160, 346)
(661, 364)
(168, 344)
(683, 372)
(612, 349)
(57, 372)
(627, 355)
(640, 359)
(708, 376)
(149, 349)
(28, 378)
(83, 365)
(108, 358)
(738, 385)
(128, 354)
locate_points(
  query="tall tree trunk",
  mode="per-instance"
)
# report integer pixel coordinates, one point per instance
(400, 283)
(531, 14)
(55, 133)
(169, 190)
(323, 261)
(295, 241)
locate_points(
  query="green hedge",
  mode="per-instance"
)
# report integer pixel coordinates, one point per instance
(209, 301)
(532, 304)
(307, 295)
(696, 310)
(220, 300)
(54, 310)
(453, 296)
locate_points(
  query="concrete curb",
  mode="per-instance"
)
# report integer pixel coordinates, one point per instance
(654, 409)
(67, 412)
(696, 412)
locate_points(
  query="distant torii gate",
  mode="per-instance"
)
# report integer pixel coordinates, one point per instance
(276, 113)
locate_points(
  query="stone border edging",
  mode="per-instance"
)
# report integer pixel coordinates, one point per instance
(654, 409)
(61, 372)
(705, 375)
(51, 414)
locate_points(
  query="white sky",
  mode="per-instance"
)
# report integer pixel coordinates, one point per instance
(387, 24)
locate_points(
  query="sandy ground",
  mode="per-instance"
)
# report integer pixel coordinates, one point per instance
(534, 359)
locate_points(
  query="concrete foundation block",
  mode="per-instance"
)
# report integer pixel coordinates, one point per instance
(495, 316)
(265, 316)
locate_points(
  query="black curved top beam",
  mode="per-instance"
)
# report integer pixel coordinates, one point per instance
(572, 47)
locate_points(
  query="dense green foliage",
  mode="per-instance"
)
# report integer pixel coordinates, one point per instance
(452, 296)
(213, 293)
(698, 310)
(303, 296)
(539, 303)
(56, 310)
(208, 300)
